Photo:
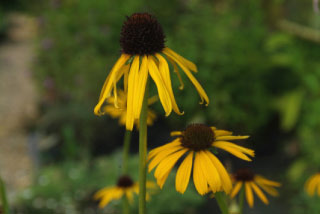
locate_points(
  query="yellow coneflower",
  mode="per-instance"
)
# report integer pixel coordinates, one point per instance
(125, 187)
(143, 53)
(195, 142)
(313, 184)
(253, 183)
(120, 111)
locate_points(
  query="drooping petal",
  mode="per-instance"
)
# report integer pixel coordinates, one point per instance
(114, 195)
(141, 87)
(105, 92)
(209, 171)
(259, 193)
(167, 164)
(198, 177)
(132, 88)
(175, 133)
(224, 176)
(265, 181)
(162, 90)
(155, 151)
(218, 133)
(176, 70)
(236, 150)
(190, 65)
(202, 93)
(164, 71)
(249, 194)
(231, 137)
(236, 189)
(161, 156)
(183, 173)
(270, 190)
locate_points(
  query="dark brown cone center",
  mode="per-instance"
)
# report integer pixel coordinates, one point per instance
(142, 34)
(125, 182)
(197, 137)
(244, 175)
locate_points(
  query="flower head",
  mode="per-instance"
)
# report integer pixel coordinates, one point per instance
(120, 110)
(253, 183)
(195, 143)
(125, 187)
(313, 184)
(144, 53)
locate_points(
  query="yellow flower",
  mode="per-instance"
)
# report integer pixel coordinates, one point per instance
(144, 53)
(125, 187)
(250, 181)
(120, 111)
(313, 184)
(195, 142)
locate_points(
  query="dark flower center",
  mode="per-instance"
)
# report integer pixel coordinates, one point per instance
(125, 182)
(197, 137)
(141, 34)
(244, 175)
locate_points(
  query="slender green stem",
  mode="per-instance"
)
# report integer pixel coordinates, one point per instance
(3, 196)
(143, 153)
(241, 200)
(221, 200)
(126, 148)
(125, 157)
(125, 205)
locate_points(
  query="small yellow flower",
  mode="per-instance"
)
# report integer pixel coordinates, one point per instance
(313, 184)
(144, 53)
(250, 181)
(125, 187)
(195, 143)
(120, 111)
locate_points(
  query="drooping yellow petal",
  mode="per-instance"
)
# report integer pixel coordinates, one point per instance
(224, 176)
(202, 93)
(198, 177)
(311, 185)
(167, 164)
(236, 189)
(155, 151)
(209, 171)
(129, 195)
(235, 151)
(190, 65)
(231, 137)
(242, 149)
(176, 70)
(249, 194)
(114, 195)
(102, 192)
(132, 86)
(141, 86)
(162, 180)
(183, 173)
(105, 92)
(165, 74)
(162, 155)
(218, 133)
(176, 133)
(265, 181)
(162, 90)
(270, 190)
(259, 193)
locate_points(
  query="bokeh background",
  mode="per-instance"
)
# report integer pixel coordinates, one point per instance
(258, 61)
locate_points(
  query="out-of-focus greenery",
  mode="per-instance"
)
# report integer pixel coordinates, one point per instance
(69, 188)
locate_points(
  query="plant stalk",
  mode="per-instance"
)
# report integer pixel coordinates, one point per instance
(241, 200)
(143, 153)
(3, 197)
(126, 149)
(221, 200)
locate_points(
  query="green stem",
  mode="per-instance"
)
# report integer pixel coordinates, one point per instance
(143, 153)
(221, 200)
(126, 148)
(3, 196)
(125, 205)
(241, 200)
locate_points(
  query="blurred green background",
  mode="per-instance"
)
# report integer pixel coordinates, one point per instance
(258, 61)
